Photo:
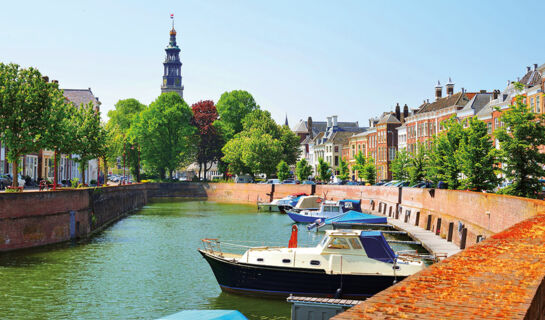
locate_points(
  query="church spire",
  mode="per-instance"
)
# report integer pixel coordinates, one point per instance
(286, 122)
(172, 76)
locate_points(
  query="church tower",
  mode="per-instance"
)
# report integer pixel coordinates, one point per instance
(172, 76)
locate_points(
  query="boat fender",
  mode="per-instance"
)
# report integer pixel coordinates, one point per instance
(338, 293)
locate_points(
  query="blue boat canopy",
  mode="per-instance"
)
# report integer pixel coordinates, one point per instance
(355, 217)
(376, 247)
(349, 204)
(206, 315)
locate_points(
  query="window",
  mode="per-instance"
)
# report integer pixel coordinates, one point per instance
(489, 127)
(355, 243)
(336, 160)
(323, 242)
(338, 243)
(538, 106)
(392, 154)
(315, 262)
(496, 123)
(336, 148)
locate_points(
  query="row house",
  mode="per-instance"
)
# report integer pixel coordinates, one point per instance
(320, 140)
(40, 165)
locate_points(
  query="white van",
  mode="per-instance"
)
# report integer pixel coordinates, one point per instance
(245, 178)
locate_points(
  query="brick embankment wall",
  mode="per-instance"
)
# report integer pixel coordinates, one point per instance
(32, 219)
(499, 278)
(238, 192)
(176, 190)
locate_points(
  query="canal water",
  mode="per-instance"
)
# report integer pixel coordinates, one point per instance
(143, 267)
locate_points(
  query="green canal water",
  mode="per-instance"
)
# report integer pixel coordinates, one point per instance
(143, 267)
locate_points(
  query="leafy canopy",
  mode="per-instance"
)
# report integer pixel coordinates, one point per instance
(303, 170)
(166, 135)
(282, 170)
(520, 139)
(324, 171)
(344, 172)
(401, 166)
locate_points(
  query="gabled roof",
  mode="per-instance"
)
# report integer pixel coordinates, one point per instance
(459, 98)
(389, 118)
(319, 126)
(531, 78)
(79, 96)
(340, 137)
(478, 102)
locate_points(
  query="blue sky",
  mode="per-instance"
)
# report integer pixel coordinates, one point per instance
(354, 59)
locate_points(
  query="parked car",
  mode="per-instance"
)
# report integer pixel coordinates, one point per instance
(5, 180)
(273, 181)
(391, 183)
(352, 183)
(423, 184)
(308, 182)
(401, 184)
(244, 179)
(289, 181)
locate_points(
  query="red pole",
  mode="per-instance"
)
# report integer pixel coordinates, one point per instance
(56, 172)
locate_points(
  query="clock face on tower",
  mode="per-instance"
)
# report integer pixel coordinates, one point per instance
(164, 82)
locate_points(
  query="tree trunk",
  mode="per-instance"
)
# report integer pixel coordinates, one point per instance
(200, 169)
(56, 171)
(170, 173)
(15, 182)
(105, 171)
(98, 171)
(82, 172)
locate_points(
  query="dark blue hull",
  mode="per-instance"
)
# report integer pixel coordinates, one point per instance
(254, 280)
(302, 218)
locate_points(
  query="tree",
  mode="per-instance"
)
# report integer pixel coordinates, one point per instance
(260, 146)
(370, 171)
(283, 170)
(303, 170)
(360, 165)
(443, 164)
(120, 143)
(168, 140)
(520, 138)
(25, 106)
(324, 171)
(90, 136)
(232, 107)
(417, 169)
(401, 166)
(344, 172)
(60, 136)
(211, 141)
(477, 158)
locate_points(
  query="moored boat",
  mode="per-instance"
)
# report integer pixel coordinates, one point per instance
(280, 205)
(327, 209)
(345, 263)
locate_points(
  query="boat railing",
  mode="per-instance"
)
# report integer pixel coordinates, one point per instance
(214, 246)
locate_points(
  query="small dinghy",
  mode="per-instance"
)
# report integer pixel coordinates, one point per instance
(349, 218)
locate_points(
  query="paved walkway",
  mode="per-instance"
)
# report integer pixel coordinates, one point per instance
(433, 243)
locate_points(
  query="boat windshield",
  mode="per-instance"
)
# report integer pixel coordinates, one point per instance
(324, 241)
(331, 209)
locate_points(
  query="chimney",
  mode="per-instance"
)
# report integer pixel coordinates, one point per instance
(463, 90)
(45, 78)
(450, 87)
(427, 100)
(535, 66)
(508, 82)
(483, 91)
(329, 122)
(495, 94)
(334, 118)
(398, 111)
(438, 90)
(55, 81)
(528, 69)
(309, 126)
(405, 111)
